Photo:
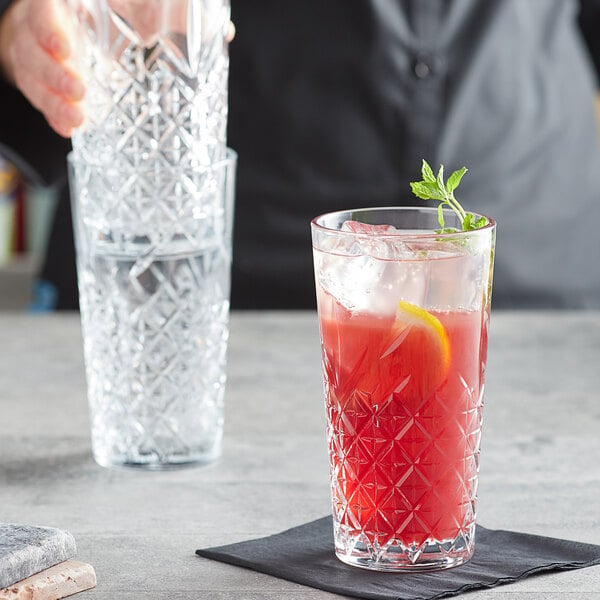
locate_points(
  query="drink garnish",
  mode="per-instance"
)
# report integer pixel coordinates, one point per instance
(433, 340)
(433, 187)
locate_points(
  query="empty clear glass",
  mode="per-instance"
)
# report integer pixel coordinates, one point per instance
(156, 76)
(153, 257)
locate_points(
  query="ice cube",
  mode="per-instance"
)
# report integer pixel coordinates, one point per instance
(374, 269)
(377, 241)
(366, 228)
(363, 283)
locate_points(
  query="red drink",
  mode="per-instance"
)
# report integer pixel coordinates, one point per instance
(404, 397)
(403, 312)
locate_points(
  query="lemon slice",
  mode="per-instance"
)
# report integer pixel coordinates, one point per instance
(426, 341)
(421, 317)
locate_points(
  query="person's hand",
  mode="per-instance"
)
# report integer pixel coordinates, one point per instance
(35, 49)
(34, 53)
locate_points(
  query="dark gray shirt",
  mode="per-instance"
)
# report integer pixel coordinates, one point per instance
(334, 104)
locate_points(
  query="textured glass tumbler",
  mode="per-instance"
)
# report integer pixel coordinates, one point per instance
(403, 317)
(155, 73)
(153, 260)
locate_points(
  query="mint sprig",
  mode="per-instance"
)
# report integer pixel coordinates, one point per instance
(433, 187)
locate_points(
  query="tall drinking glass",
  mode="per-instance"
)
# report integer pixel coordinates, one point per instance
(403, 315)
(153, 257)
(155, 73)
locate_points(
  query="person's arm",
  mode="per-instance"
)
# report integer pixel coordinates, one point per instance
(34, 52)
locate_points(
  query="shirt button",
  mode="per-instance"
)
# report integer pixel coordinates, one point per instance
(426, 65)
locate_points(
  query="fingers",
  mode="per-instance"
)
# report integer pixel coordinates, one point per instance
(230, 31)
(62, 116)
(30, 58)
(38, 53)
(45, 18)
(63, 131)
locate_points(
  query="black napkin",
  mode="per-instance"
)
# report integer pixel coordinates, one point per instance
(305, 555)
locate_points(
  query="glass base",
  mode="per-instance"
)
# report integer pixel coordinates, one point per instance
(398, 563)
(433, 555)
(155, 463)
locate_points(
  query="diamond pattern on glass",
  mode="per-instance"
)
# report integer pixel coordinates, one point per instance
(155, 354)
(404, 477)
(154, 254)
(162, 100)
(153, 220)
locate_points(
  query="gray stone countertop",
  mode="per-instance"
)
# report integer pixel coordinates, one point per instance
(540, 467)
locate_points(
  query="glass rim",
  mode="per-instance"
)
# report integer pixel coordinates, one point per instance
(424, 234)
(230, 159)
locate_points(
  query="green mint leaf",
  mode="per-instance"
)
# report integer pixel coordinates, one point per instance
(454, 179)
(440, 179)
(420, 190)
(427, 172)
(472, 222)
(426, 190)
(433, 187)
(441, 215)
(434, 192)
(467, 223)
